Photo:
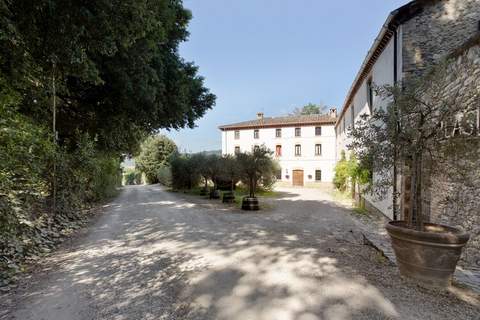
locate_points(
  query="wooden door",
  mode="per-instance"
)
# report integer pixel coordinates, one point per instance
(298, 177)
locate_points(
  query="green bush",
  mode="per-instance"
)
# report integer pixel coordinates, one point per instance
(26, 152)
(164, 176)
(132, 177)
(154, 154)
(129, 177)
(184, 170)
(350, 172)
(340, 179)
(30, 166)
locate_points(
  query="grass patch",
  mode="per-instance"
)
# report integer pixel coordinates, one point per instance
(361, 211)
(343, 197)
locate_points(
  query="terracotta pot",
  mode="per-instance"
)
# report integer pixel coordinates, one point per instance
(430, 256)
(250, 204)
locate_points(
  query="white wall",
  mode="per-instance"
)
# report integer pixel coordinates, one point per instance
(308, 161)
(382, 74)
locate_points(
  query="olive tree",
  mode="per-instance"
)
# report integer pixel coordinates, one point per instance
(201, 162)
(427, 125)
(184, 171)
(255, 166)
(230, 170)
(213, 168)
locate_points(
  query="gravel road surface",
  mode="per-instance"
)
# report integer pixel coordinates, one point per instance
(154, 254)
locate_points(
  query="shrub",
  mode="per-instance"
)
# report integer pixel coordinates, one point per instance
(26, 150)
(164, 176)
(31, 165)
(184, 171)
(132, 176)
(340, 179)
(350, 172)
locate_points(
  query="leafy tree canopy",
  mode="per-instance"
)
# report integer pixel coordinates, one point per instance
(155, 153)
(117, 70)
(310, 108)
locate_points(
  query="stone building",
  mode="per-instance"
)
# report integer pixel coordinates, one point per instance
(303, 145)
(448, 201)
(413, 38)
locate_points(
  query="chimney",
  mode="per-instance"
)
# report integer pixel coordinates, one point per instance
(260, 115)
(333, 112)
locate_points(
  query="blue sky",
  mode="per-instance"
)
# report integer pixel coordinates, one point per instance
(275, 55)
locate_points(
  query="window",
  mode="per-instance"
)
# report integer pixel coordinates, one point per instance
(256, 134)
(298, 132)
(278, 174)
(237, 134)
(370, 94)
(278, 151)
(318, 175)
(318, 131)
(352, 115)
(278, 133)
(318, 149)
(298, 150)
(237, 150)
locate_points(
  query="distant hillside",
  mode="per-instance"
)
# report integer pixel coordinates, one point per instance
(217, 152)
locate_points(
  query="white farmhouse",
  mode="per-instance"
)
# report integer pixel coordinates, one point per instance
(303, 145)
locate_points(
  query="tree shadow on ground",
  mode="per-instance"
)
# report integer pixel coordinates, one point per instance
(175, 258)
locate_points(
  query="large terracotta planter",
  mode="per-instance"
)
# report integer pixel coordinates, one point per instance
(250, 204)
(428, 257)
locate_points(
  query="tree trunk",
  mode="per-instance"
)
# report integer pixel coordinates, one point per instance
(417, 210)
(252, 187)
(394, 191)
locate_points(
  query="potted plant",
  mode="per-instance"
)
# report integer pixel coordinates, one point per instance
(426, 127)
(253, 166)
(230, 173)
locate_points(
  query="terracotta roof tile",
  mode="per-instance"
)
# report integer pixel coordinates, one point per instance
(282, 122)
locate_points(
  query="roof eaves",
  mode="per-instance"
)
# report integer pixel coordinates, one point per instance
(394, 19)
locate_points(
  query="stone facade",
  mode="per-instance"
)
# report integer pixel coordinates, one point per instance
(451, 202)
(440, 28)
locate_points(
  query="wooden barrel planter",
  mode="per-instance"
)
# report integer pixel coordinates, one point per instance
(214, 194)
(228, 197)
(250, 204)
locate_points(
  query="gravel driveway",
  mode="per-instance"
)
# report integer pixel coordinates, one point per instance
(160, 255)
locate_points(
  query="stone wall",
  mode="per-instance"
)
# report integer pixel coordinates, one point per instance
(441, 27)
(451, 202)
